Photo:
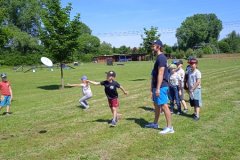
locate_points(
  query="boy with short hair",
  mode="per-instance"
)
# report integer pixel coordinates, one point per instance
(181, 73)
(194, 86)
(6, 93)
(174, 88)
(111, 86)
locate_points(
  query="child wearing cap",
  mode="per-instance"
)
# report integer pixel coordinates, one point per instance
(174, 89)
(194, 86)
(86, 91)
(181, 73)
(111, 86)
(6, 93)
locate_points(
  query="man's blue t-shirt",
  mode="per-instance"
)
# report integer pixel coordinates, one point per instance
(161, 61)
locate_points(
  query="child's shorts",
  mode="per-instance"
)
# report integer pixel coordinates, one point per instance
(197, 98)
(113, 103)
(5, 101)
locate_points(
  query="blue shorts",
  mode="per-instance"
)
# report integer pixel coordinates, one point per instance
(163, 98)
(6, 101)
(196, 100)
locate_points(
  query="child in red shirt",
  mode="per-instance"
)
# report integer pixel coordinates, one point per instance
(6, 93)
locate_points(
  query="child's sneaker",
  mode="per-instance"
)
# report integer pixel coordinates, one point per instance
(167, 130)
(179, 113)
(185, 110)
(152, 125)
(113, 123)
(196, 118)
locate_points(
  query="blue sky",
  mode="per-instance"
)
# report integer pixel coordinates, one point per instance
(121, 22)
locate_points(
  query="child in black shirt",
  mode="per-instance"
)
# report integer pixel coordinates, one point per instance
(111, 86)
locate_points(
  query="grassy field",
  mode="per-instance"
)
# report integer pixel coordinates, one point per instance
(47, 123)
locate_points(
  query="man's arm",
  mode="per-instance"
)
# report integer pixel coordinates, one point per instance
(159, 79)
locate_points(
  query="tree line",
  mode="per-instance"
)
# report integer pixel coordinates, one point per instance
(31, 29)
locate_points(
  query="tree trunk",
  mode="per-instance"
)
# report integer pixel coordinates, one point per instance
(62, 80)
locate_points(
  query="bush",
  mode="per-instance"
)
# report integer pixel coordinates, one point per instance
(207, 50)
(224, 47)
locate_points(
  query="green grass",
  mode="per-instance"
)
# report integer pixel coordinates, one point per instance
(76, 134)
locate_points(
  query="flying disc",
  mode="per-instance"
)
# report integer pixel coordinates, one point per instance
(46, 61)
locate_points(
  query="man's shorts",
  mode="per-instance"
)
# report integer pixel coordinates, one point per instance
(162, 98)
(113, 103)
(5, 101)
(197, 98)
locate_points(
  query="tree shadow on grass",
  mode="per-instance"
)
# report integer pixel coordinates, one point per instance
(140, 121)
(52, 87)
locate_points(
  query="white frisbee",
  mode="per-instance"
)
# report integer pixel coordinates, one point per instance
(46, 61)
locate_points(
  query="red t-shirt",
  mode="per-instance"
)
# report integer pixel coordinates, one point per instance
(4, 88)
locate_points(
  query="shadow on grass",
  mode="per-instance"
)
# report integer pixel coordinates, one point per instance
(102, 120)
(52, 87)
(147, 108)
(138, 80)
(140, 121)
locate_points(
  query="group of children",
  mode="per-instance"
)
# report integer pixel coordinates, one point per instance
(178, 81)
(190, 81)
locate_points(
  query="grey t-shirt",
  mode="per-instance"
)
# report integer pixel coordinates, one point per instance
(193, 76)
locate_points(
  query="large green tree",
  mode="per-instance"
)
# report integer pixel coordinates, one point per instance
(20, 23)
(88, 44)
(197, 29)
(59, 34)
(149, 36)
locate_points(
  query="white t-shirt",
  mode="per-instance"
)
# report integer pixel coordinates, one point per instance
(174, 79)
(86, 90)
(193, 77)
(181, 73)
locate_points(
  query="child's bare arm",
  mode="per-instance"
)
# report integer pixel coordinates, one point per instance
(93, 82)
(11, 93)
(74, 85)
(125, 92)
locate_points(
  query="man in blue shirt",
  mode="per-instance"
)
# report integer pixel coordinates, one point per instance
(159, 88)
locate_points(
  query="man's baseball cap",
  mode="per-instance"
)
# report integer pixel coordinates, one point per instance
(157, 42)
(84, 78)
(3, 75)
(111, 73)
(193, 61)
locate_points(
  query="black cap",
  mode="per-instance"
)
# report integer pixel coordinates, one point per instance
(158, 42)
(111, 73)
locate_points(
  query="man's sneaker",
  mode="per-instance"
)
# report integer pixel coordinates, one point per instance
(196, 118)
(113, 123)
(171, 110)
(167, 130)
(152, 125)
(185, 110)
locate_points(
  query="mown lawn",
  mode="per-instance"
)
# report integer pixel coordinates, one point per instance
(47, 123)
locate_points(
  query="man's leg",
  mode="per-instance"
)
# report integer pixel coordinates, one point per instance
(167, 115)
(157, 113)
